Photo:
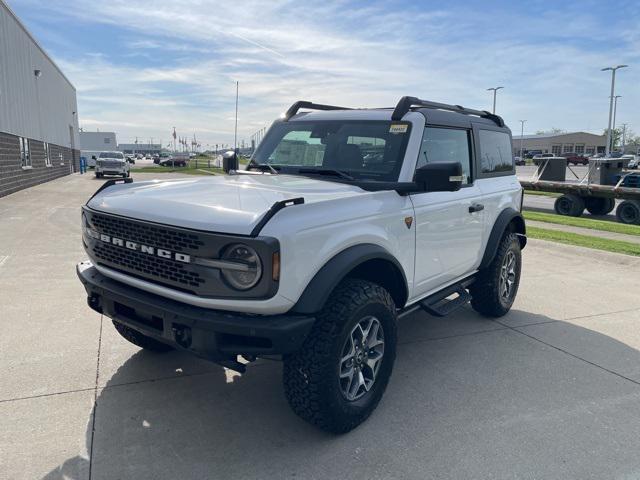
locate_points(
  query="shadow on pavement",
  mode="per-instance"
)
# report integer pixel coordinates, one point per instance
(469, 398)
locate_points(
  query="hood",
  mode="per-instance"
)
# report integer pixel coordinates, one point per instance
(225, 203)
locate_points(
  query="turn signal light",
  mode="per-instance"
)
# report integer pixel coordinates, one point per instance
(275, 260)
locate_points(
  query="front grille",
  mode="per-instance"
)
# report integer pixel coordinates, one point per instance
(175, 240)
(147, 265)
(185, 276)
(110, 164)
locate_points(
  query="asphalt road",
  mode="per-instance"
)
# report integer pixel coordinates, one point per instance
(550, 391)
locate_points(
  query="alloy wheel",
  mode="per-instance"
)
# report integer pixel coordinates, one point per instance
(361, 358)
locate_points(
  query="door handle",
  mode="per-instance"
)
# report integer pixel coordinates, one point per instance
(475, 207)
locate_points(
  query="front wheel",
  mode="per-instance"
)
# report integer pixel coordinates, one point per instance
(496, 286)
(339, 375)
(570, 205)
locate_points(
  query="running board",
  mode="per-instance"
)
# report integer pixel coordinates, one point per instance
(440, 306)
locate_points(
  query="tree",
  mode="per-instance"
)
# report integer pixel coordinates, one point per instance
(553, 131)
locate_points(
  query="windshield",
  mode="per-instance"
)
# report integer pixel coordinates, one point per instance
(111, 155)
(364, 150)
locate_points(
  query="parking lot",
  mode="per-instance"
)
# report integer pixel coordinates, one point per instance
(552, 390)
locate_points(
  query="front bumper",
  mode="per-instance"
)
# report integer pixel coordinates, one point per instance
(212, 334)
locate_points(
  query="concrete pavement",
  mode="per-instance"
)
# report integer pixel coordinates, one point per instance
(552, 390)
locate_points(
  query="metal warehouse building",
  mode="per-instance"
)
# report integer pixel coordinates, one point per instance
(579, 142)
(38, 111)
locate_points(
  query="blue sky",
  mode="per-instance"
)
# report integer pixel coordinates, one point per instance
(143, 66)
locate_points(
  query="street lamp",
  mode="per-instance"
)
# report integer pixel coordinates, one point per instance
(613, 84)
(495, 90)
(521, 136)
(613, 126)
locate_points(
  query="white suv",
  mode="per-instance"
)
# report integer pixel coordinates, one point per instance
(112, 163)
(343, 221)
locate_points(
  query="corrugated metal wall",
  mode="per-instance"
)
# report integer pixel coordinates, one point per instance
(40, 108)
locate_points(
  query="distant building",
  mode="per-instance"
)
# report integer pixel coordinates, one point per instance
(98, 141)
(143, 148)
(579, 142)
(38, 111)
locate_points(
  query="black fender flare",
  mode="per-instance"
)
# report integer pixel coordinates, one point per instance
(336, 269)
(507, 217)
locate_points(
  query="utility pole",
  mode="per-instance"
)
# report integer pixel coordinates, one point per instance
(495, 90)
(624, 135)
(613, 84)
(521, 136)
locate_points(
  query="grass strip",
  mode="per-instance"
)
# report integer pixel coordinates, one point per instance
(596, 243)
(602, 225)
(542, 194)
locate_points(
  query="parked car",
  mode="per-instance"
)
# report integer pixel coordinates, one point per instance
(130, 158)
(314, 262)
(575, 158)
(112, 163)
(519, 161)
(531, 153)
(632, 159)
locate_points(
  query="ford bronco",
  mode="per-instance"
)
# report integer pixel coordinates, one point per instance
(343, 221)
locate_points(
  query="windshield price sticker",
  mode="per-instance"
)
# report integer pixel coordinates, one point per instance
(398, 128)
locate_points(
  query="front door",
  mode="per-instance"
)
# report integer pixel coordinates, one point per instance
(449, 225)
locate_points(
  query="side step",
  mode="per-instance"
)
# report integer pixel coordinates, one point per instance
(440, 306)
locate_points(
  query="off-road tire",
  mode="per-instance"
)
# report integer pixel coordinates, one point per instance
(311, 375)
(570, 205)
(141, 340)
(599, 205)
(486, 297)
(629, 212)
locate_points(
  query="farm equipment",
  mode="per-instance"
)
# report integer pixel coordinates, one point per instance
(597, 191)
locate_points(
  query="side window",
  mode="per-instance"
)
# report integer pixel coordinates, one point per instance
(25, 154)
(47, 157)
(495, 152)
(446, 145)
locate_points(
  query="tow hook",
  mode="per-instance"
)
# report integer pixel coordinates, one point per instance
(182, 335)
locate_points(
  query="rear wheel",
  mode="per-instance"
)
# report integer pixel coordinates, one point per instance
(141, 340)
(629, 212)
(599, 205)
(98, 175)
(570, 205)
(496, 286)
(339, 375)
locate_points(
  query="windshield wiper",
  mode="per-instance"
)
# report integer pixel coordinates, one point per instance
(327, 171)
(263, 167)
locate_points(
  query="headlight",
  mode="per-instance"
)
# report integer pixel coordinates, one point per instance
(250, 266)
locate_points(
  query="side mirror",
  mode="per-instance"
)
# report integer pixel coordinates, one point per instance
(439, 177)
(93, 157)
(229, 161)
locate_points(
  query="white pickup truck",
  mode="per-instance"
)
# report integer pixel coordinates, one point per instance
(345, 220)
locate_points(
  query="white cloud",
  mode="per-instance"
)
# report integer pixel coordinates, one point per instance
(332, 52)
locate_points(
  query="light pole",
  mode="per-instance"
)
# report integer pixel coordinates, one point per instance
(235, 133)
(495, 90)
(613, 125)
(613, 84)
(521, 136)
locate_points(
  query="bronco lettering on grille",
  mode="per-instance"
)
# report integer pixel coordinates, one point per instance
(147, 249)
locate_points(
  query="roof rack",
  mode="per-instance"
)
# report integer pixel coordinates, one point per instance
(406, 103)
(293, 109)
